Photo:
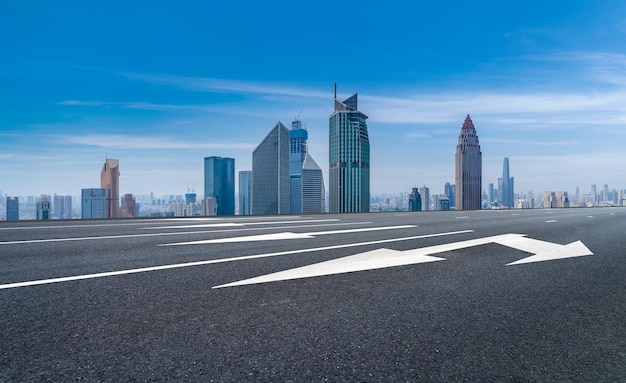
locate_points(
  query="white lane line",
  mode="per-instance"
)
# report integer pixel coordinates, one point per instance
(222, 260)
(551, 221)
(234, 224)
(286, 235)
(515, 214)
(19, 242)
(589, 216)
(464, 217)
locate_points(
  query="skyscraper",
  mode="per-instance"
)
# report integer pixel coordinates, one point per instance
(219, 183)
(425, 194)
(93, 203)
(468, 168)
(313, 193)
(129, 206)
(43, 207)
(110, 182)
(297, 152)
(505, 186)
(349, 159)
(270, 173)
(62, 207)
(245, 191)
(13, 209)
(415, 200)
(450, 191)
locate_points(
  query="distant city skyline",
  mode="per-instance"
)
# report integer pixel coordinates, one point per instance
(546, 81)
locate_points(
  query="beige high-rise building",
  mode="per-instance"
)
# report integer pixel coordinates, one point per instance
(110, 182)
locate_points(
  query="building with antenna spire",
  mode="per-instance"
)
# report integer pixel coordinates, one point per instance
(110, 182)
(349, 158)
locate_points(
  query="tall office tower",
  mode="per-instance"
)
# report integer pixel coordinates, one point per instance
(468, 168)
(297, 152)
(506, 186)
(349, 158)
(13, 209)
(313, 193)
(208, 206)
(415, 200)
(245, 191)
(492, 195)
(425, 194)
(449, 191)
(219, 183)
(43, 208)
(128, 206)
(562, 199)
(270, 173)
(62, 207)
(93, 203)
(110, 182)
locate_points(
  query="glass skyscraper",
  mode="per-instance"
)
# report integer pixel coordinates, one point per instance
(270, 173)
(219, 183)
(297, 151)
(13, 209)
(93, 203)
(468, 168)
(245, 192)
(313, 193)
(349, 159)
(505, 186)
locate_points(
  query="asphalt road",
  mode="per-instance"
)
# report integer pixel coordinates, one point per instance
(176, 299)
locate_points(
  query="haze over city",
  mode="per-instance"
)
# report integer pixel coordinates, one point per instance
(161, 86)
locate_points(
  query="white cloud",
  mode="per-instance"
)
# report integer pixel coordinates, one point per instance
(148, 142)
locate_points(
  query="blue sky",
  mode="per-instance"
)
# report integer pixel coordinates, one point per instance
(161, 85)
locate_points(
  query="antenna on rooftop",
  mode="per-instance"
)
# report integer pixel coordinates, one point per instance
(299, 114)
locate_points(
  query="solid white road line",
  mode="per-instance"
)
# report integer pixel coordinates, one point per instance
(167, 234)
(222, 260)
(286, 235)
(236, 224)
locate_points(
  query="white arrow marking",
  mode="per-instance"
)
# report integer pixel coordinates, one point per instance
(281, 236)
(574, 249)
(382, 258)
(236, 224)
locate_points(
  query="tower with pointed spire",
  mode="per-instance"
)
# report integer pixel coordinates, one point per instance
(468, 168)
(349, 159)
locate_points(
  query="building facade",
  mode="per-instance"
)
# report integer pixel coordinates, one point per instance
(313, 193)
(468, 168)
(93, 203)
(43, 208)
(13, 209)
(425, 195)
(245, 192)
(270, 173)
(62, 207)
(219, 183)
(129, 206)
(110, 182)
(506, 195)
(415, 200)
(349, 159)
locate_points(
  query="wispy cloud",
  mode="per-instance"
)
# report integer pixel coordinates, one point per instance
(208, 84)
(529, 142)
(150, 142)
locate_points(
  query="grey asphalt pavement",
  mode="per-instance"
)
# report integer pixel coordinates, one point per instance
(137, 300)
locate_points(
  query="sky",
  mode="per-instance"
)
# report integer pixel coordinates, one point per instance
(161, 85)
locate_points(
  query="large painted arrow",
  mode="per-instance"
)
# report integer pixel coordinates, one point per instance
(382, 258)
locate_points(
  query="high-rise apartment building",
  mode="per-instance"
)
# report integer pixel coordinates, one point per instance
(506, 192)
(313, 193)
(43, 208)
(93, 203)
(245, 192)
(219, 183)
(13, 209)
(110, 182)
(270, 173)
(349, 159)
(468, 168)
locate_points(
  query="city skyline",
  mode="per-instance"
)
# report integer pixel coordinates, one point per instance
(546, 81)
